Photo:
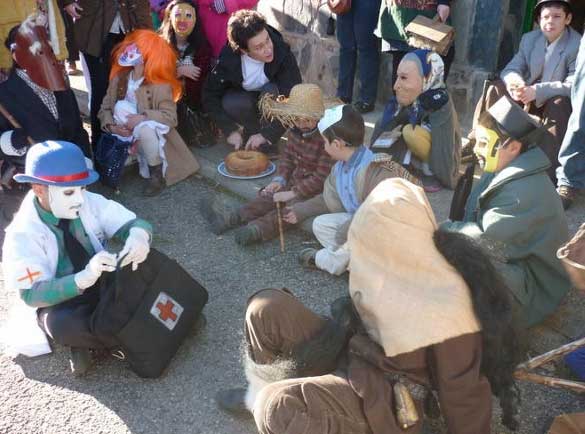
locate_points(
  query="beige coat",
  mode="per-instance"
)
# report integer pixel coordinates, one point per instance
(155, 101)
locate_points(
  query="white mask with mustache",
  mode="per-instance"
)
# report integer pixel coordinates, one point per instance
(66, 202)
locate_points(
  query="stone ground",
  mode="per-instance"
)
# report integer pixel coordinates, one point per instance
(40, 396)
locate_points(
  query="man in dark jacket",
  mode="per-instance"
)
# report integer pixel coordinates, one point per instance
(99, 26)
(514, 208)
(256, 61)
(36, 98)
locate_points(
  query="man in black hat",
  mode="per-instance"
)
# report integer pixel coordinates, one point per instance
(541, 74)
(515, 209)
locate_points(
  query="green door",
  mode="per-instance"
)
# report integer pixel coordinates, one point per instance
(528, 24)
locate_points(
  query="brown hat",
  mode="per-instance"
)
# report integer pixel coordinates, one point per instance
(305, 101)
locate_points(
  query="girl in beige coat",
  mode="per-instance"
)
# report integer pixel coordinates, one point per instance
(140, 106)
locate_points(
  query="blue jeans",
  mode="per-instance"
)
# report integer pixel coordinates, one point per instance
(355, 33)
(572, 152)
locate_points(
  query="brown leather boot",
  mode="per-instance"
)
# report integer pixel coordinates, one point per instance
(156, 183)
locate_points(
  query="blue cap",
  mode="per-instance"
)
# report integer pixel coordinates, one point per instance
(56, 163)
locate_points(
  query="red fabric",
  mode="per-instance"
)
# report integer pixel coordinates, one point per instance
(215, 25)
(65, 178)
(193, 88)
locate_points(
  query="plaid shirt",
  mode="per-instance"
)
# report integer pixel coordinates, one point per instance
(304, 164)
(46, 96)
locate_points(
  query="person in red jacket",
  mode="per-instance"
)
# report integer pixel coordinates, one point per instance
(214, 15)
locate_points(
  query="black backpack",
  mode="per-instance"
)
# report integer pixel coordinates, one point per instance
(147, 313)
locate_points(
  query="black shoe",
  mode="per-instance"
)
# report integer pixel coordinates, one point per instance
(364, 107)
(233, 401)
(247, 235)
(220, 217)
(80, 361)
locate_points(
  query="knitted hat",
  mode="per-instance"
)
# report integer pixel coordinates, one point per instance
(306, 101)
(56, 163)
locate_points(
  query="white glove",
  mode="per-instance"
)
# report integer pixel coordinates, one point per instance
(136, 248)
(100, 262)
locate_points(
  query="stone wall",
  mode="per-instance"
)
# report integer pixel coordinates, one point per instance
(487, 34)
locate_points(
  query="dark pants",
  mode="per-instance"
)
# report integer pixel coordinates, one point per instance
(556, 109)
(398, 55)
(70, 38)
(355, 33)
(242, 107)
(99, 72)
(261, 212)
(68, 323)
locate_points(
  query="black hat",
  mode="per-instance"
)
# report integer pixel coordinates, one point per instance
(541, 3)
(512, 120)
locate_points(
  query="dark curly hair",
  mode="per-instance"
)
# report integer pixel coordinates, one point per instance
(242, 26)
(492, 305)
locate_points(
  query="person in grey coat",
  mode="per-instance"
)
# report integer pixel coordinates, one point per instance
(541, 74)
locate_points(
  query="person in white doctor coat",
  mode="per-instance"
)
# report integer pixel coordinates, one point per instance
(53, 252)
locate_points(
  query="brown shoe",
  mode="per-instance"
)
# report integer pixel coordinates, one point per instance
(567, 195)
(307, 258)
(156, 182)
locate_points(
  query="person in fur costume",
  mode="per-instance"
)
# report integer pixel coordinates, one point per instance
(140, 107)
(434, 322)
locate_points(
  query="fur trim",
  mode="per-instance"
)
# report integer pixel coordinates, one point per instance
(493, 308)
(260, 376)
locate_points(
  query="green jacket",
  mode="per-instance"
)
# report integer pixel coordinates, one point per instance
(518, 213)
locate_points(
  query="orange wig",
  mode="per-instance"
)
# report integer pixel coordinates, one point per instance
(160, 60)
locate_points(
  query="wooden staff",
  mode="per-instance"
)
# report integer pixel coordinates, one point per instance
(13, 122)
(522, 370)
(280, 231)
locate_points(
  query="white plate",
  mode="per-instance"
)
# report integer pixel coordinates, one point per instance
(269, 171)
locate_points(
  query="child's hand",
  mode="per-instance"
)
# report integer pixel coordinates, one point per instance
(289, 216)
(133, 120)
(189, 71)
(271, 188)
(120, 130)
(284, 196)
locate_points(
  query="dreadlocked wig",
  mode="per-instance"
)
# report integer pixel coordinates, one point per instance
(159, 60)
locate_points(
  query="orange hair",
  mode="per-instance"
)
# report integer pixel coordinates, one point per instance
(160, 60)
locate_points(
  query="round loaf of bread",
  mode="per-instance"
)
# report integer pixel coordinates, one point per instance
(246, 163)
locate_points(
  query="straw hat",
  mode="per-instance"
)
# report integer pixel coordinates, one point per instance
(306, 101)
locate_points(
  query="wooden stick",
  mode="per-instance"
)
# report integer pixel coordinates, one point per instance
(551, 355)
(522, 371)
(280, 231)
(558, 383)
(13, 122)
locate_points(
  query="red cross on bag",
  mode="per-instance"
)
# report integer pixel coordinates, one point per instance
(166, 310)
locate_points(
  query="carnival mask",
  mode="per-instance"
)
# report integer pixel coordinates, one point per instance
(131, 56)
(487, 148)
(183, 19)
(66, 202)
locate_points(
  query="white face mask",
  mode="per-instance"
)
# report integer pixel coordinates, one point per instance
(66, 202)
(130, 57)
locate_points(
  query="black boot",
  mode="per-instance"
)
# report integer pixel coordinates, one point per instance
(233, 401)
(156, 183)
(247, 235)
(220, 217)
(80, 361)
